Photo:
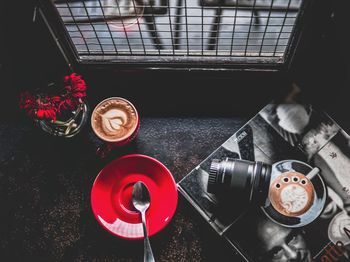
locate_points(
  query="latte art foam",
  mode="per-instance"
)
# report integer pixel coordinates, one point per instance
(114, 119)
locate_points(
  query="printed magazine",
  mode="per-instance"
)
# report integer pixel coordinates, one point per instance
(287, 128)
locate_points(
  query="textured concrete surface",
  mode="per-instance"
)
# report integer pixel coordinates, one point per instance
(45, 185)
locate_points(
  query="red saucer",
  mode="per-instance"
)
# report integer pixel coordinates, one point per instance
(111, 196)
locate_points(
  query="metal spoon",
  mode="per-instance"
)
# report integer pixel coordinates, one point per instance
(141, 201)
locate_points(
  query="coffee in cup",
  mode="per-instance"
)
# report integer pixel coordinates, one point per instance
(116, 121)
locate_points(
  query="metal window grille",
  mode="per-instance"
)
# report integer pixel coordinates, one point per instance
(179, 30)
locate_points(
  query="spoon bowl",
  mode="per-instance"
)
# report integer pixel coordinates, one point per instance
(140, 197)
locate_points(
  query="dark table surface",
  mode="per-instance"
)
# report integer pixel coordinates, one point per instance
(45, 185)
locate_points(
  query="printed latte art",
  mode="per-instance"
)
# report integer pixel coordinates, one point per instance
(114, 119)
(291, 194)
(294, 198)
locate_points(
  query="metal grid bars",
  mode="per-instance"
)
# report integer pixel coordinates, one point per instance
(205, 28)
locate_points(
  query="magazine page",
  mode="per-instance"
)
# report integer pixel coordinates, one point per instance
(328, 237)
(288, 128)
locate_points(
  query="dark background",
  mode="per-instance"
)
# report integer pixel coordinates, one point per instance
(192, 110)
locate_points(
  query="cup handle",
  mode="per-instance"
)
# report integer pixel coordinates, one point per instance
(103, 150)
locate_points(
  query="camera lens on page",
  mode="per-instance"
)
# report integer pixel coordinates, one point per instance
(245, 178)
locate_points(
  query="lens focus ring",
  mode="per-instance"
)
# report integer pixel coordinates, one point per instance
(243, 178)
(213, 176)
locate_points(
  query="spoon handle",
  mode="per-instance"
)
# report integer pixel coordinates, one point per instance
(148, 254)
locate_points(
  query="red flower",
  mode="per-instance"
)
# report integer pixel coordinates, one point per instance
(47, 107)
(75, 86)
(39, 106)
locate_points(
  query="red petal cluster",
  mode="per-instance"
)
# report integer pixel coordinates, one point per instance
(48, 107)
(75, 85)
(41, 107)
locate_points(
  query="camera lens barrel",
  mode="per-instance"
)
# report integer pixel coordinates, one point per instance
(243, 178)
